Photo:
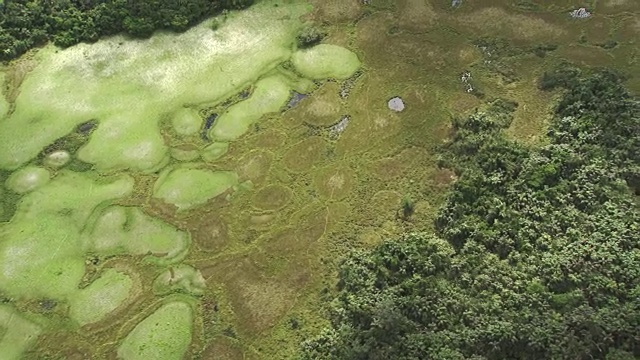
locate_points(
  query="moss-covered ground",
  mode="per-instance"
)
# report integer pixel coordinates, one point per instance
(201, 212)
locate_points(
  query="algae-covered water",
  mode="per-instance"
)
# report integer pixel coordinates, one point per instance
(187, 196)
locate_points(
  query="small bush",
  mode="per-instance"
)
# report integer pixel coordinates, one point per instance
(561, 77)
(309, 37)
(408, 207)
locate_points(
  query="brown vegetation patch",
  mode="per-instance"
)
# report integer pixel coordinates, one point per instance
(338, 221)
(386, 204)
(283, 243)
(462, 103)
(223, 348)
(377, 209)
(338, 37)
(372, 123)
(211, 234)
(305, 154)
(258, 300)
(443, 176)
(15, 75)
(534, 112)
(498, 22)
(616, 6)
(628, 30)
(335, 182)
(61, 346)
(272, 197)
(254, 166)
(337, 11)
(370, 237)
(323, 108)
(261, 220)
(597, 29)
(416, 15)
(262, 302)
(372, 36)
(398, 166)
(591, 56)
(270, 138)
(311, 224)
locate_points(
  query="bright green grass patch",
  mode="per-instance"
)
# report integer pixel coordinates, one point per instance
(127, 230)
(326, 61)
(297, 83)
(41, 258)
(165, 334)
(27, 179)
(180, 278)
(72, 195)
(103, 296)
(184, 155)
(215, 151)
(269, 96)
(18, 334)
(186, 188)
(41, 248)
(186, 122)
(129, 85)
(57, 159)
(130, 139)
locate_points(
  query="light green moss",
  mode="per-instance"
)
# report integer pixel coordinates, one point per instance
(41, 248)
(18, 333)
(42, 259)
(72, 195)
(165, 334)
(326, 61)
(27, 179)
(126, 230)
(269, 96)
(186, 122)
(215, 151)
(180, 278)
(184, 155)
(57, 159)
(186, 188)
(100, 298)
(128, 86)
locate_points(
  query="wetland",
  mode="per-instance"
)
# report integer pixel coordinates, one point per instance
(191, 195)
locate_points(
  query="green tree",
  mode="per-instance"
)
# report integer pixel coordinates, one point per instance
(537, 251)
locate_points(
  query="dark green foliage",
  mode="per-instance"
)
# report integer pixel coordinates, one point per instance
(28, 23)
(407, 207)
(598, 118)
(542, 49)
(564, 76)
(608, 45)
(537, 251)
(309, 37)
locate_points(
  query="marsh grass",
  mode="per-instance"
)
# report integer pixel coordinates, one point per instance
(269, 254)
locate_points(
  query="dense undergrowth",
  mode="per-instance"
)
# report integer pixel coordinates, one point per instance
(25, 24)
(537, 251)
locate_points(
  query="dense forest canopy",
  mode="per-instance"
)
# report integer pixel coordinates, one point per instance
(537, 251)
(28, 23)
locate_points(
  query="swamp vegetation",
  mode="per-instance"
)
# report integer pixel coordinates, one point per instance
(226, 180)
(535, 254)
